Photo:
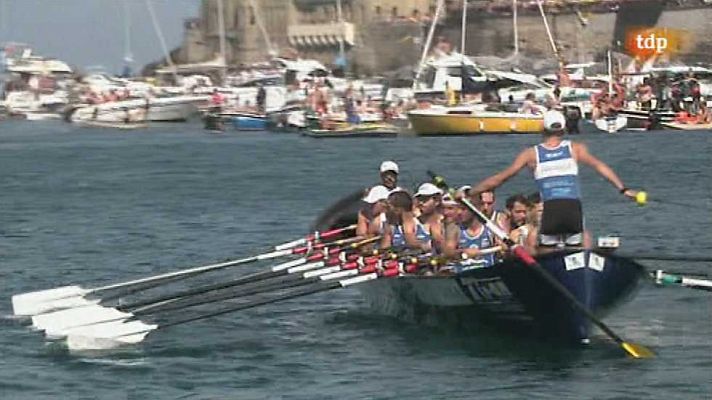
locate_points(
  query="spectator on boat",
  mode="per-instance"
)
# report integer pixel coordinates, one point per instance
(372, 216)
(553, 99)
(516, 206)
(261, 98)
(529, 105)
(704, 116)
(217, 101)
(389, 174)
(465, 240)
(555, 164)
(645, 95)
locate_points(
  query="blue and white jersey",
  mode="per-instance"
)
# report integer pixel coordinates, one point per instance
(397, 237)
(421, 232)
(483, 240)
(556, 172)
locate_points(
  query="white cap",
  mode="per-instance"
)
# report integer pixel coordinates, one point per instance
(377, 193)
(554, 120)
(448, 200)
(428, 189)
(389, 166)
(464, 189)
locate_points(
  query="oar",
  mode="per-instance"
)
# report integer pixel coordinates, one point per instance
(668, 257)
(58, 321)
(92, 315)
(37, 302)
(113, 334)
(666, 279)
(635, 350)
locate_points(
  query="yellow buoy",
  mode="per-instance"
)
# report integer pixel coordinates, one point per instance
(641, 198)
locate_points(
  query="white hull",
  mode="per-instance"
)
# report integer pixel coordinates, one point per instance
(611, 125)
(156, 110)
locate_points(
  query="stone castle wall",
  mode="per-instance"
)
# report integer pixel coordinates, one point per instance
(384, 44)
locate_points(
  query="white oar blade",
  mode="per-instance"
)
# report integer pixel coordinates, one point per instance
(33, 303)
(56, 324)
(108, 335)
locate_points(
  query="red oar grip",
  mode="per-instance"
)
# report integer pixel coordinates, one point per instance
(523, 255)
(390, 272)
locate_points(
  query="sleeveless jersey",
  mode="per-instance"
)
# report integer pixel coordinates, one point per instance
(556, 172)
(421, 233)
(482, 241)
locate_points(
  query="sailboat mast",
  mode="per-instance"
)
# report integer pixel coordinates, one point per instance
(463, 76)
(221, 28)
(428, 40)
(610, 75)
(515, 28)
(128, 57)
(548, 31)
(159, 33)
(340, 18)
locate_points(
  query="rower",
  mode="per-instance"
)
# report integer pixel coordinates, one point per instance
(402, 229)
(517, 206)
(372, 217)
(555, 165)
(389, 174)
(450, 210)
(467, 239)
(429, 220)
(488, 200)
(520, 235)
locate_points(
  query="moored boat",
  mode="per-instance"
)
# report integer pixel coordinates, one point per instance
(354, 130)
(469, 120)
(611, 124)
(687, 127)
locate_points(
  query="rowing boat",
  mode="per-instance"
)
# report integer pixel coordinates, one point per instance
(508, 295)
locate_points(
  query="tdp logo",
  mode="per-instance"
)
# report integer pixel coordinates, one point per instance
(651, 42)
(648, 42)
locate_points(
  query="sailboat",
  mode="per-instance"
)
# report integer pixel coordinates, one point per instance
(435, 77)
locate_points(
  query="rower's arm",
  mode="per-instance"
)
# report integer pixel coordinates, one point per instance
(523, 159)
(387, 237)
(362, 225)
(452, 237)
(409, 233)
(438, 236)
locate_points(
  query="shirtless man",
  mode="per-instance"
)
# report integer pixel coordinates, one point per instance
(371, 217)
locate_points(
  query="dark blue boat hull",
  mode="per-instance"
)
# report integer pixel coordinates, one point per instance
(513, 296)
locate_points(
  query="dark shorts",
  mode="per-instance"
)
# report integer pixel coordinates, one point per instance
(562, 217)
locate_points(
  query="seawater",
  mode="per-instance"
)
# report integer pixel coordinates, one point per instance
(89, 206)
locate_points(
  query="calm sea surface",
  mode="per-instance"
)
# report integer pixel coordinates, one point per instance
(97, 206)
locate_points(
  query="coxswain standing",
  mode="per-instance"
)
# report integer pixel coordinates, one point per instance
(555, 165)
